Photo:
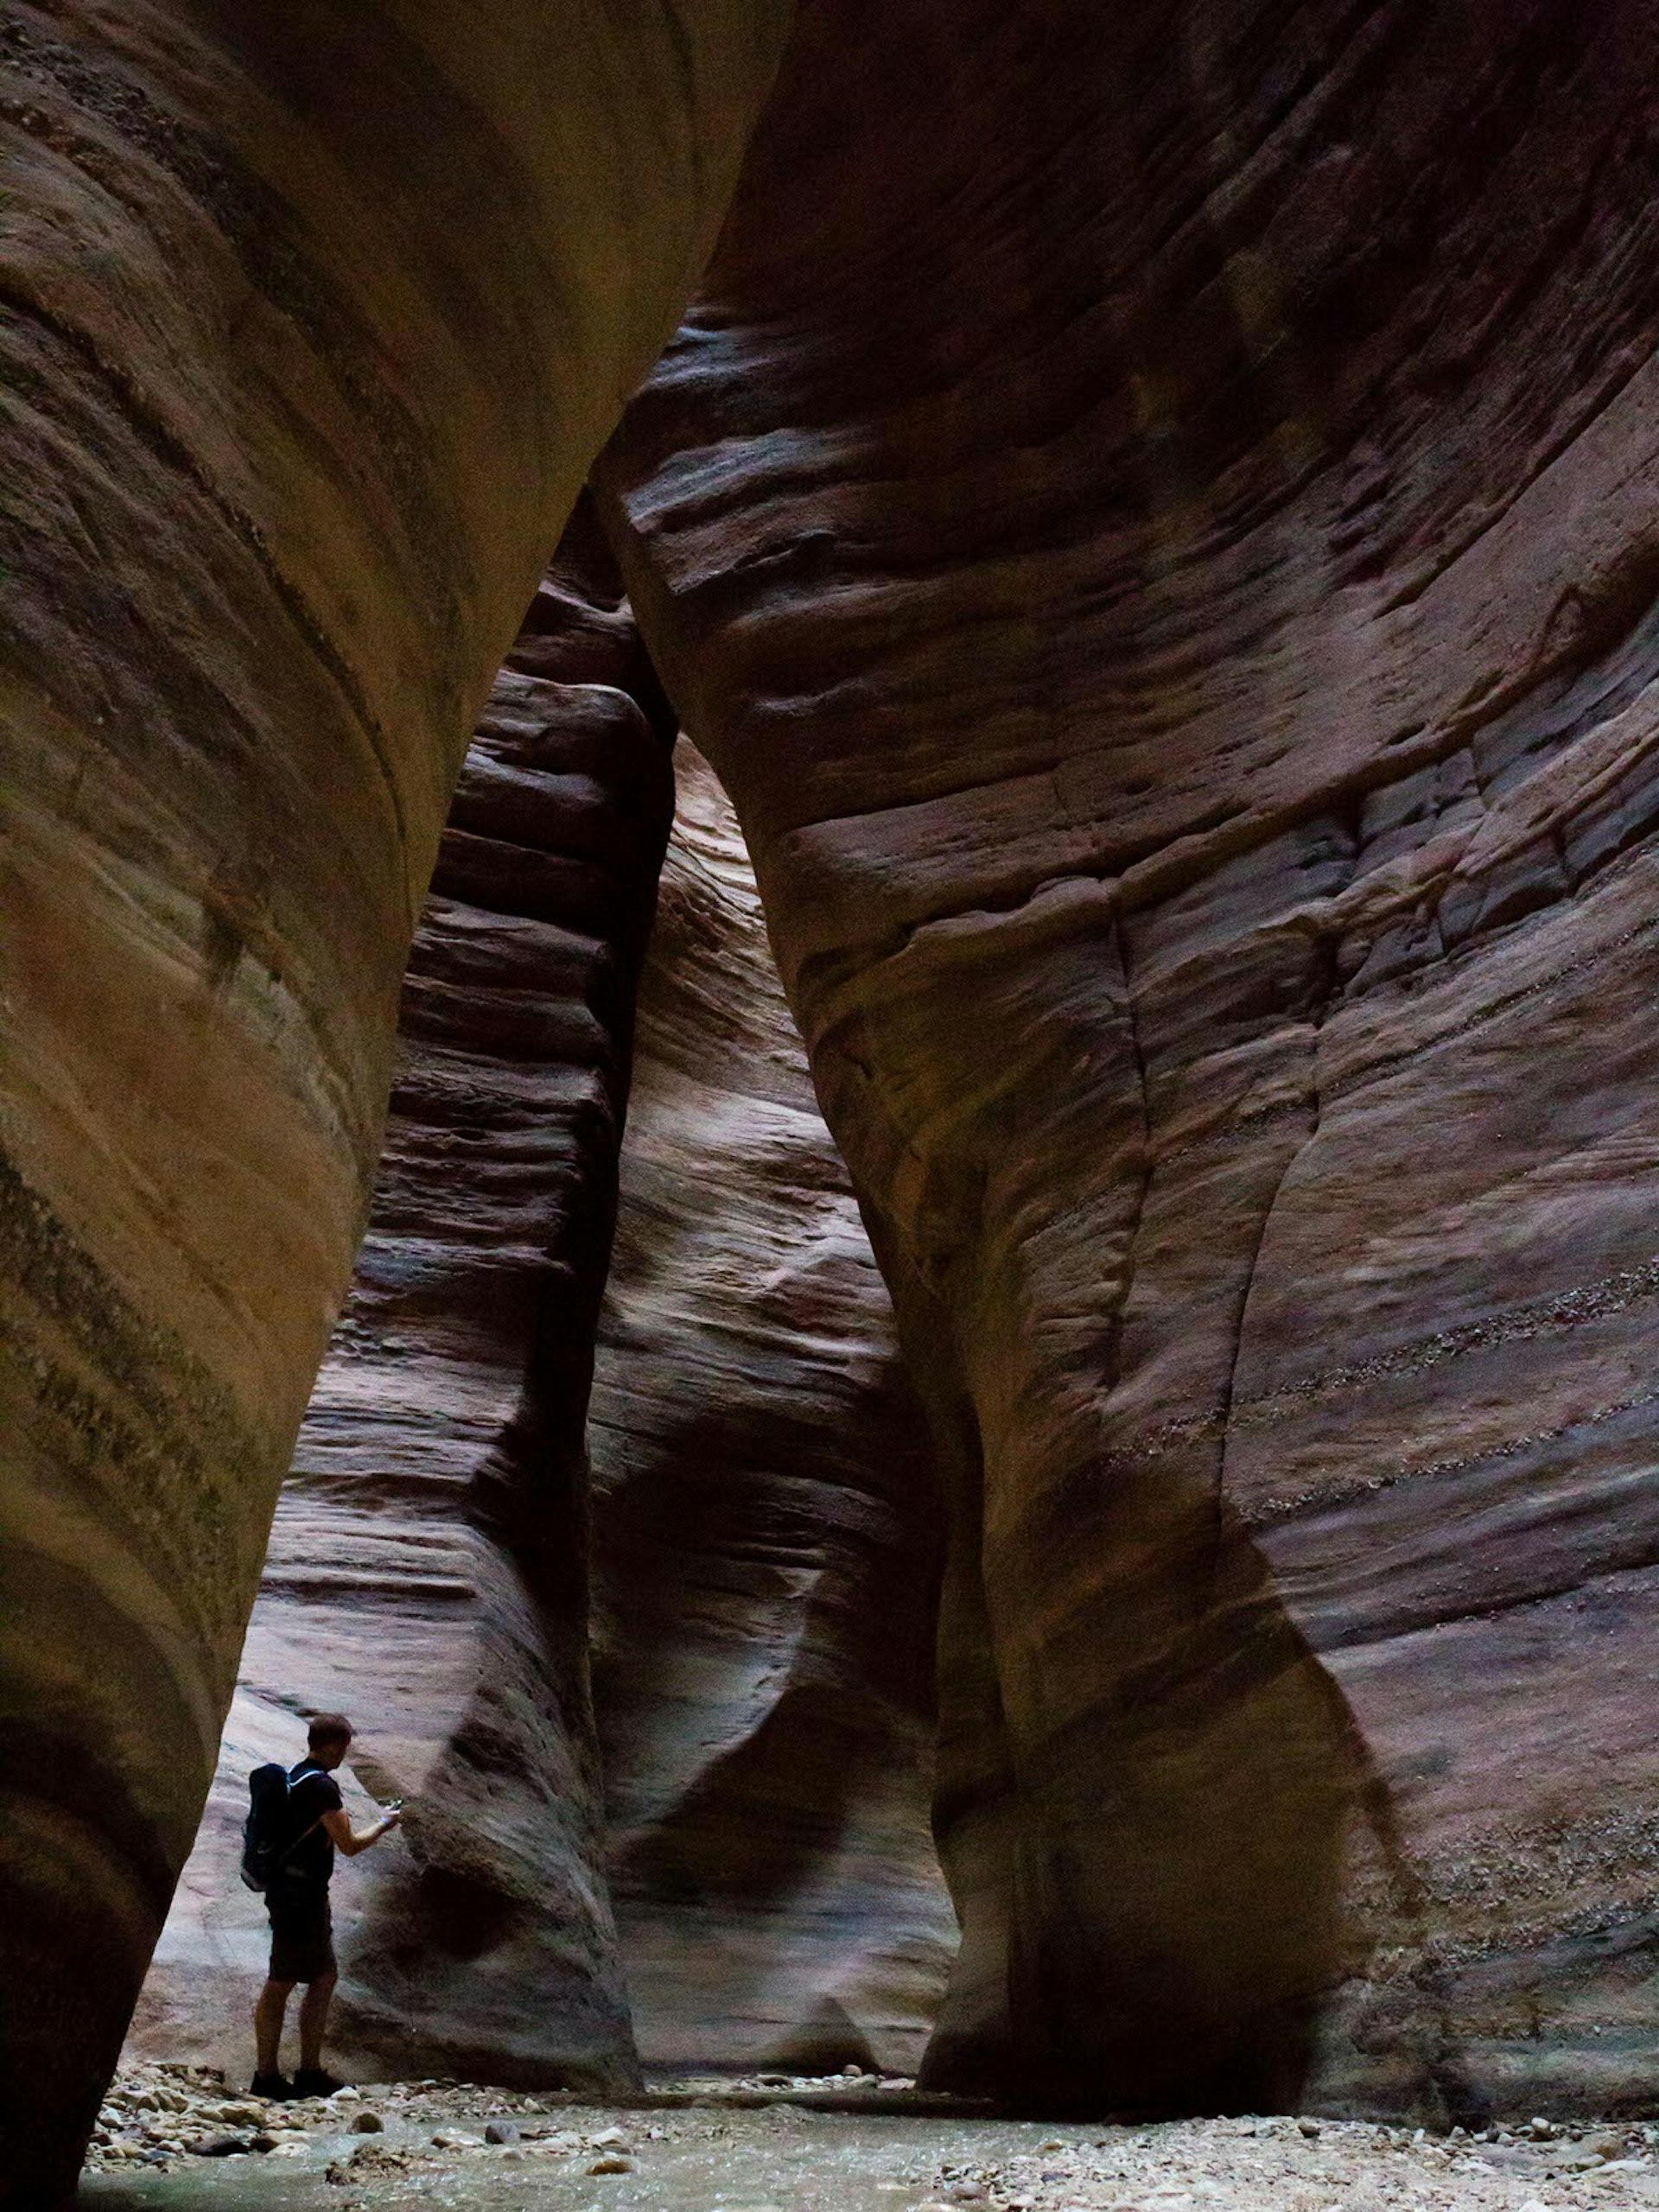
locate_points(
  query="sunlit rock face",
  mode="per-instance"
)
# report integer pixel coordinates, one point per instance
(762, 1522)
(1180, 637)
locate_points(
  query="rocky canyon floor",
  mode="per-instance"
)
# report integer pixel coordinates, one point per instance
(175, 2140)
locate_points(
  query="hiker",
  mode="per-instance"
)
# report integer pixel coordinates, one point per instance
(309, 1826)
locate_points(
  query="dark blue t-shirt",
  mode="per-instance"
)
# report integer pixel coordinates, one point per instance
(307, 1865)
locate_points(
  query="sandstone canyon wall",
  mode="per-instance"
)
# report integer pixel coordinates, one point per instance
(762, 1520)
(427, 1567)
(1181, 635)
(311, 320)
(1151, 520)
(765, 1534)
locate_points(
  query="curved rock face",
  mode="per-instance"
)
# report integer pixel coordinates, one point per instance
(765, 1534)
(762, 1522)
(1178, 633)
(1152, 524)
(427, 1569)
(311, 319)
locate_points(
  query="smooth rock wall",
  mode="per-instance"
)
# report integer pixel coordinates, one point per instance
(1181, 635)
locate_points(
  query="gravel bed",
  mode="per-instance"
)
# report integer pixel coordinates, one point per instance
(178, 2140)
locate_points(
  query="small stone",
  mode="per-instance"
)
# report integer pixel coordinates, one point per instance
(612, 2163)
(610, 2139)
(1308, 2127)
(501, 2130)
(367, 2122)
(222, 2146)
(263, 2141)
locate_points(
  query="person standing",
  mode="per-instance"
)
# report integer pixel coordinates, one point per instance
(301, 1925)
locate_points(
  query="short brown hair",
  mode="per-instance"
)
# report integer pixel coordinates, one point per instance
(328, 1728)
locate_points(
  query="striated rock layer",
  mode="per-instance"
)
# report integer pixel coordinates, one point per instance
(762, 1518)
(1168, 572)
(765, 1534)
(311, 320)
(427, 1569)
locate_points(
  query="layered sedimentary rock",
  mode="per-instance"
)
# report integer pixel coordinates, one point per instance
(1152, 524)
(765, 1534)
(428, 1568)
(311, 319)
(1166, 572)
(763, 1519)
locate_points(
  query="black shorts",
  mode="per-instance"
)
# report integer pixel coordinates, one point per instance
(302, 1937)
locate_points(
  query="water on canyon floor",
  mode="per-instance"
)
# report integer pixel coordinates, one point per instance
(425, 2148)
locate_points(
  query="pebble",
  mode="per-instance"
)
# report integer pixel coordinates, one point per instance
(367, 2122)
(612, 2163)
(501, 2130)
(223, 2146)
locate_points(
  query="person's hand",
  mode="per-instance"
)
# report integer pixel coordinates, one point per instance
(390, 1818)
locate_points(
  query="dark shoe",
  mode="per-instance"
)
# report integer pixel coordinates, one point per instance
(313, 2082)
(275, 2086)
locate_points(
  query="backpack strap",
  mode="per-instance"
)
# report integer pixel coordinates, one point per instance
(292, 1785)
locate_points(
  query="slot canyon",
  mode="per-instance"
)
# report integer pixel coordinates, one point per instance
(829, 982)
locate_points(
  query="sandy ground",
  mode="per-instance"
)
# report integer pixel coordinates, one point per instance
(712, 2148)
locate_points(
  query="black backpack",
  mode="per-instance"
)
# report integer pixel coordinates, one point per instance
(267, 1834)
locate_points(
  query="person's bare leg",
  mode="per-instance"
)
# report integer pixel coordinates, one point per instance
(314, 2019)
(268, 2025)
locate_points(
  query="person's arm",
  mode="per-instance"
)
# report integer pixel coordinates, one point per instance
(337, 1826)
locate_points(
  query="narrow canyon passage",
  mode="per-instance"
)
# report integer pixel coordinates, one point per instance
(1076, 1509)
(724, 1855)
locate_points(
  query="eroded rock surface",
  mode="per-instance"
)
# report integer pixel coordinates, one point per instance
(311, 320)
(427, 1569)
(763, 1524)
(1180, 637)
(765, 1534)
